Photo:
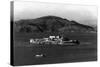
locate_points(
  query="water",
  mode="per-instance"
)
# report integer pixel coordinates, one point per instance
(25, 54)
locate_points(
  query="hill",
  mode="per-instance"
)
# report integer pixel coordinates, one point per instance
(50, 24)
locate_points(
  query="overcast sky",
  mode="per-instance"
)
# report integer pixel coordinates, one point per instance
(31, 10)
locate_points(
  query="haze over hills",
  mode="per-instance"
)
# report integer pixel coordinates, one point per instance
(81, 13)
(50, 24)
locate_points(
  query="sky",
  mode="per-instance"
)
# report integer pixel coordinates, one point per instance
(31, 10)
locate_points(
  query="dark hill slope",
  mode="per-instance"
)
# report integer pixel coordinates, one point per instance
(50, 24)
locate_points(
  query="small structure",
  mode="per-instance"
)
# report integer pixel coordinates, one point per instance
(57, 40)
(51, 37)
(39, 55)
(32, 41)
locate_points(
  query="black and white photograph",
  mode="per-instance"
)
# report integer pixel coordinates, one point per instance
(52, 33)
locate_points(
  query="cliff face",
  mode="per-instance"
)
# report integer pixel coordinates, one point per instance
(50, 24)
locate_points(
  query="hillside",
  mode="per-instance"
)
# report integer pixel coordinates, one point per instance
(50, 24)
